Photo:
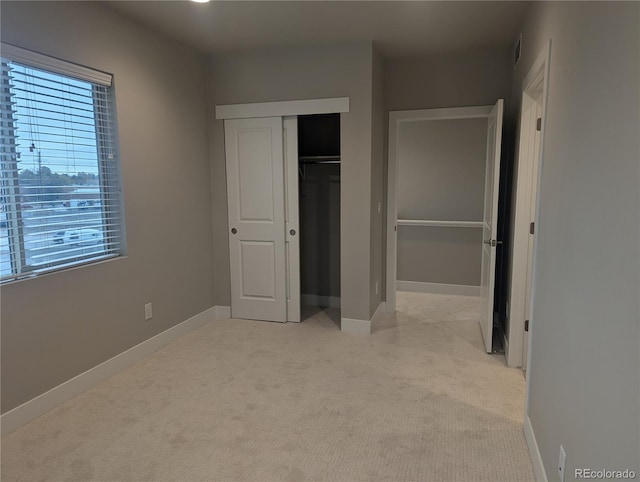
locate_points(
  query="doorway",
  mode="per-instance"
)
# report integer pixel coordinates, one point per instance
(319, 209)
(442, 204)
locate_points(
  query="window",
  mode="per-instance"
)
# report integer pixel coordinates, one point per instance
(60, 198)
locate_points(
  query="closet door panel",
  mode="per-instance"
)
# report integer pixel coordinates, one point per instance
(255, 189)
(255, 176)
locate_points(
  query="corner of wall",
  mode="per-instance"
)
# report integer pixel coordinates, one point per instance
(378, 194)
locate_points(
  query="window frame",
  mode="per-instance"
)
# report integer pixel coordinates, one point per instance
(112, 212)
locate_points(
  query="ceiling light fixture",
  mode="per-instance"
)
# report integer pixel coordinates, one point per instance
(200, 1)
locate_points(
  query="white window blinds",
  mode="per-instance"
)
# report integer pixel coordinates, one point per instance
(59, 169)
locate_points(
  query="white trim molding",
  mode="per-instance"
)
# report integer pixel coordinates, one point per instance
(34, 408)
(440, 224)
(362, 327)
(222, 312)
(335, 105)
(380, 310)
(440, 288)
(527, 195)
(478, 111)
(355, 326)
(534, 451)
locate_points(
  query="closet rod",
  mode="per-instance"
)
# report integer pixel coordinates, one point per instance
(440, 224)
(319, 159)
(319, 162)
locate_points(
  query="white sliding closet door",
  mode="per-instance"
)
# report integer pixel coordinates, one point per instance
(256, 198)
(490, 222)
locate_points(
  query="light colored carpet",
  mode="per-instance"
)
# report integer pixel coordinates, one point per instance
(248, 400)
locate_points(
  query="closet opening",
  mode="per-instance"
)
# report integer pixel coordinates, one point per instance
(319, 214)
(442, 235)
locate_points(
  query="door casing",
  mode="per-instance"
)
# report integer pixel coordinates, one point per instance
(527, 197)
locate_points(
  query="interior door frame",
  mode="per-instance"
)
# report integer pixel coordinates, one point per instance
(535, 88)
(396, 119)
(288, 111)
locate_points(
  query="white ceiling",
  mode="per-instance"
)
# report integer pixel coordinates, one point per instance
(398, 28)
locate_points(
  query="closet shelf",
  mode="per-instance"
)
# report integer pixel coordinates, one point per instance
(319, 159)
(440, 224)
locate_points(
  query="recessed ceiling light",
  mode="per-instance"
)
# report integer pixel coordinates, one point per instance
(200, 1)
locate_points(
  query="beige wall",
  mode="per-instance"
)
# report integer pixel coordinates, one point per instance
(295, 74)
(441, 165)
(439, 255)
(584, 370)
(378, 188)
(59, 325)
(456, 80)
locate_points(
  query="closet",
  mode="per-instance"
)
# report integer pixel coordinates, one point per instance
(283, 200)
(319, 210)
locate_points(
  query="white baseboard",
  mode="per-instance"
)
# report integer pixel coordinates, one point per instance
(387, 308)
(356, 327)
(534, 451)
(439, 288)
(380, 310)
(361, 327)
(318, 300)
(222, 312)
(22, 414)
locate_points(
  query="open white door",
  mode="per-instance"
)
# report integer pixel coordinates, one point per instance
(292, 236)
(490, 221)
(255, 192)
(533, 199)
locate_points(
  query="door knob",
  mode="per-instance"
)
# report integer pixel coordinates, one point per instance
(234, 230)
(492, 242)
(292, 232)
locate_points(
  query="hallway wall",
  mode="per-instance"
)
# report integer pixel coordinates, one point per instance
(584, 383)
